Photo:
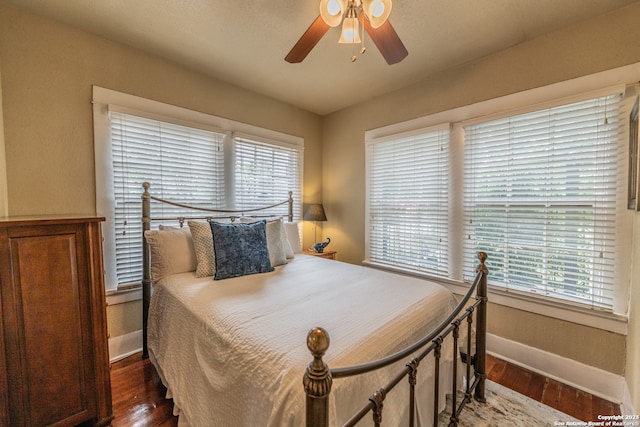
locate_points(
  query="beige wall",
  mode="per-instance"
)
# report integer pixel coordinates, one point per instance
(597, 45)
(48, 71)
(4, 209)
(633, 337)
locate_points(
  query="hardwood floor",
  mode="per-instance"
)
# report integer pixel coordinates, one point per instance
(138, 393)
(564, 398)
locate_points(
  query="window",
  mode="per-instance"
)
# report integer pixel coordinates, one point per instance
(542, 191)
(407, 204)
(540, 199)
(187, 157)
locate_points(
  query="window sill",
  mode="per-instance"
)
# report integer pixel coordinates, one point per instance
(611, 322)
(123, 296)
(583, 316)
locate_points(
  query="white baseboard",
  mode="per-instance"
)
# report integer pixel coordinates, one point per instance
(592, 380)
(626, 408)
(125, 345)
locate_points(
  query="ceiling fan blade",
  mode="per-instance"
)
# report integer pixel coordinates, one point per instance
(309, 39)
(386, 40)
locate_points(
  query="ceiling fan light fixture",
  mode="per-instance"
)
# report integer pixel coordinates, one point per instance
(373, 16)
(377, 11)
(332, 11)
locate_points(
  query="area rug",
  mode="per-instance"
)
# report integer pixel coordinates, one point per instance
(505, 407)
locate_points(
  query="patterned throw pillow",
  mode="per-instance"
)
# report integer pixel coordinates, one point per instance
(277, 242)
(203, 245)
(240, 249)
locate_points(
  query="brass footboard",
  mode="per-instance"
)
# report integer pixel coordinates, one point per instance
(318, 378)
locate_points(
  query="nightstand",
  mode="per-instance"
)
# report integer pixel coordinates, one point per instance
(325, 254)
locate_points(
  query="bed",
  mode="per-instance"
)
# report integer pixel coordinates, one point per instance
(240, 348)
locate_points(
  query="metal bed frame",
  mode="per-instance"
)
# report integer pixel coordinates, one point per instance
(318, 377)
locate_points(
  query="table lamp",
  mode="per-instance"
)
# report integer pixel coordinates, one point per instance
(315, 213)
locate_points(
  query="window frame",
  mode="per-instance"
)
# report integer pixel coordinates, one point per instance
(134, 105)
(559, 93)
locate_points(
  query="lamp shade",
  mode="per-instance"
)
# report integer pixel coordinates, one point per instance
(315, 212)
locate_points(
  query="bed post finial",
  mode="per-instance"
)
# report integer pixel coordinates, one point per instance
(317, 379)
(481, 328)
(482, 257)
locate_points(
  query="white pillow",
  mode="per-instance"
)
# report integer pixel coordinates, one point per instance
(288, 250)
(203, 246)
(171, 252)
(292, 231)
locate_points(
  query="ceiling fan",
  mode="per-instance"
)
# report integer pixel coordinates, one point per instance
(371, 14)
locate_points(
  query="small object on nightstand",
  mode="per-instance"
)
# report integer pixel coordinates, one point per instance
(325, 254)
(319, 247)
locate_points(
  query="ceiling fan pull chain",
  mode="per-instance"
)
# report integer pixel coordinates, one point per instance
(353, 46)
(363, 49)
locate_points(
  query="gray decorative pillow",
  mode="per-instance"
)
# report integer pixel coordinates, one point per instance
(240, 249)
(203, 246)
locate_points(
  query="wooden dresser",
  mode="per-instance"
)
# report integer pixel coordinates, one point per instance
(54, 357)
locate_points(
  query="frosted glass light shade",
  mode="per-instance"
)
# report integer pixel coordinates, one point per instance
(350, 32)
(332, 11)
(377, 11)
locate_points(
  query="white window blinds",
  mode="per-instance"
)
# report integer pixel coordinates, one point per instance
(540, 199)
(265, 173)
(183, 163)
(407, 201)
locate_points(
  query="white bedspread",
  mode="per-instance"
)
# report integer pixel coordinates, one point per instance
(233, 352)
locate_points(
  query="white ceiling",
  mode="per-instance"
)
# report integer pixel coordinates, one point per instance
(244, 42)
